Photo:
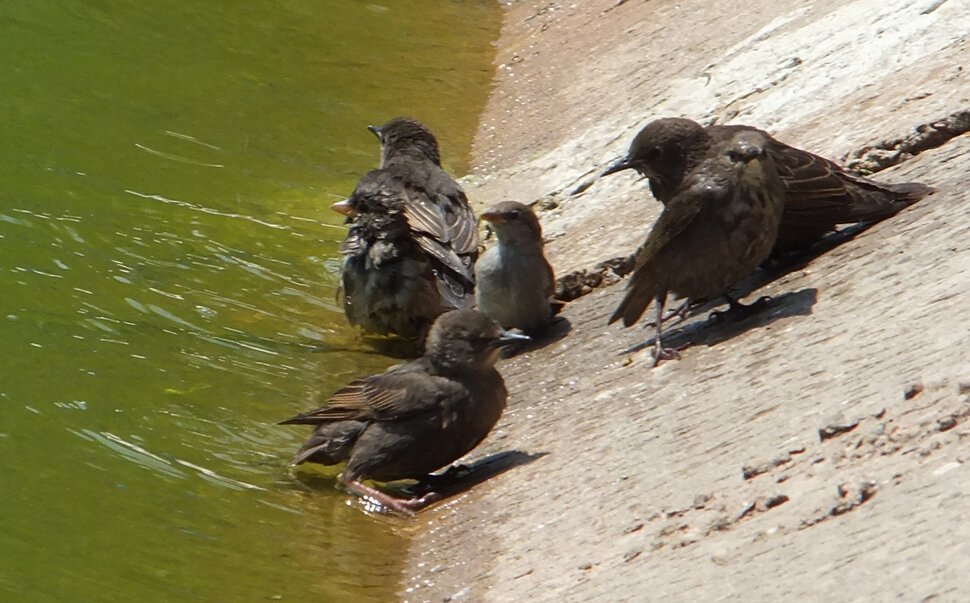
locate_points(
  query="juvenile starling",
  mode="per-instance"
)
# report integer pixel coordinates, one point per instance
(413, 238)
(819, 194)
(514, 282)
(719, 223)
(416, 417)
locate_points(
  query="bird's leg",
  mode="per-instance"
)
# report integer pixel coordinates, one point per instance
(680, 312)
(659, 352)
(739, 311)
(404, 506)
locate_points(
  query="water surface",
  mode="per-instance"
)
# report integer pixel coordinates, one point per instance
(167, 283)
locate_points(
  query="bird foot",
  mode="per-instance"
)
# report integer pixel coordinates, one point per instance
(416, 504)
(680, 313)
(402, 506)
(738, 311)
(661, 353)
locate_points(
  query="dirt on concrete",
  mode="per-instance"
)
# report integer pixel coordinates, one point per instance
(815, 451)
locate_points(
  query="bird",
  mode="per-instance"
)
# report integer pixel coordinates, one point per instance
(412, 239)
(719, 224)
(514, 283)
(415, 417)
(819, 194)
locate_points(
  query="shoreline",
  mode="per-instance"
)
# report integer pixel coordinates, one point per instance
(706, 478)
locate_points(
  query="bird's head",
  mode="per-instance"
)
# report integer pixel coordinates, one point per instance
(664, 150)
(406, 136)
(463, 340)
(513, 221)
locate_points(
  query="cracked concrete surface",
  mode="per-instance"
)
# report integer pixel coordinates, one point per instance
(708, 478)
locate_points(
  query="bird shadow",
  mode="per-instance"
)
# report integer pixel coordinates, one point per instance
(454, 480)
(458, 479)
(556, 330)
(722, 326)
(779, 265)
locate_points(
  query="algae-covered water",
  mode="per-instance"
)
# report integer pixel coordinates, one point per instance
(168, 268)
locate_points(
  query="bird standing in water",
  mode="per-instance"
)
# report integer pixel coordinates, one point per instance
(413, 238)
(416, 417)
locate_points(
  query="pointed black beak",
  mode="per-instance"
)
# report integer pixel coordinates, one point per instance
(617, 166)
(376, 130)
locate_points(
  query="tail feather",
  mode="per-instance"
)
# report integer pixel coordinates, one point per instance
(910, 192)
(640, 293)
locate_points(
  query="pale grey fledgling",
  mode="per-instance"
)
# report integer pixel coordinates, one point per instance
(415, 417)
(514, 283)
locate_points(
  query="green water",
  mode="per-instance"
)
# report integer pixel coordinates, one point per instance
(168, 267)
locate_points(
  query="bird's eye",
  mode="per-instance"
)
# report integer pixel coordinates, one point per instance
(653, 153)
(512, 215)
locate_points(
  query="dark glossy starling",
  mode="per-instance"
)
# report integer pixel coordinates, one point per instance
(819, 194)
(719, 224)
(416, 417)
(514, 281)
(413, 238)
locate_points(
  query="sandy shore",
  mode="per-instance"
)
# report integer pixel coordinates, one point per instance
(707, 478)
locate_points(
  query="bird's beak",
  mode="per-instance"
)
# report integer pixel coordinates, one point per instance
(617, 166)
(376, 130)
(343, 208)
(491, 217)
(508, 338)
(746, 151)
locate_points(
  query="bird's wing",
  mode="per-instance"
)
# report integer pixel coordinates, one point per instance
(698, 190)
(703, 187)
(442, 233)
(390, 395)
(819, 192)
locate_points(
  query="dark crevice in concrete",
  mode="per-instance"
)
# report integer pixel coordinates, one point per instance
(580, 282)
(871, 159)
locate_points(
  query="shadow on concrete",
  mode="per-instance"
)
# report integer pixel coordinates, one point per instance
(722, 326)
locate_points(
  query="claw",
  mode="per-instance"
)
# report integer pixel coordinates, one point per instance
(738, 311)
(403, 506)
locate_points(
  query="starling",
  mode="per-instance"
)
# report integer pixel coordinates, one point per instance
(719, 224)
(819, 194)
(514, 282)
(415, 417)
(413, 238)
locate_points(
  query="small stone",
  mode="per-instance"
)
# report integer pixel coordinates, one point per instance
(773, 501)
(836, 425)
(586, 566)
(631, 555)
(912, 390)
(720, 558)
(636, 526)
(947, 423)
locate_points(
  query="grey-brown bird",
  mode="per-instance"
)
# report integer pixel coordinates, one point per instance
(819, 194)
(719, 224)
(416, 417)
(514, 281)
(413, 238)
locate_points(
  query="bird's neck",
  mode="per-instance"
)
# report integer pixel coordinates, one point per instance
(519, 245)
(413, 152)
